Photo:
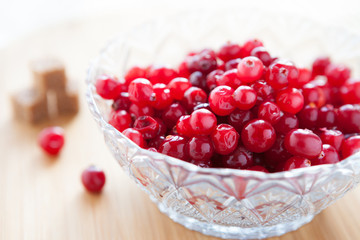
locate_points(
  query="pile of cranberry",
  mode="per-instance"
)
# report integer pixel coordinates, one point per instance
(239, 108)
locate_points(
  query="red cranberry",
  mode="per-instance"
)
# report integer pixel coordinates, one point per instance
(202, 122)
(93, 179)
(303, 142)
(198, 79)
(162, 126)
(327, 156)
(174, 146)
(134, 73)
(51, 140)
(239, 118)
(304, 78)
(171, 115)
(221, 100)
(249, 45)
(108, 87)
(296, 162)
(263, 90)
(241, 158)
(258, 136)
(183, 70)
(244, 97)
(319, 65)
(202, 106)
(202, 163)
(229, 51)
(229, 78)
(327, 116)
(337, 74)
(270, 112)
(147, 126)
(135, 136)
(183, 126)
(161, 97)
(156, 142)
(178, 87)
(225, 139)
(200, 148)
(350, 146)
(122, 102)
(286, 123)
(161, 74)
(232, 64)
(332, 137)
(140, 91)
(308, 116)
(136, 111)
(204, 61)
(290, 100)
(262, 54)
(350, 92)
(276, 154)
(212, 77)
(258, 168)
(250, 69)
(281, 73)
(193, 96)
(313, 94)
(349, 118)
(120, 120)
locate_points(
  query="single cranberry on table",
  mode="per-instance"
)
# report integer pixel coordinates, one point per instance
(229, 51)
(221, 100)
(290, 100)
(174, 146)
(263, 55)
(212, 77)
(161, 74)
(120, 120)
(93, 179)
(280, 73)
(270, 112)
(258, 136)
(327, 156)
(229, 78)
(296, 162)
(241, 158)
(200, 148)
(135, 136)
(303, 142)
(225, 139)
(178, 87)
(349, 118)
(250, 69)
(332, 137)
(140, 91)
(350, 146)
(51, 140)
(202, 122)
(249, 45)
(108, 87)
(319, 65)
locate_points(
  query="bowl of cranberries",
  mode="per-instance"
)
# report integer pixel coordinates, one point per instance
(231, 138)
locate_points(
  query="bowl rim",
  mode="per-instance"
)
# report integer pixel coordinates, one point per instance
(221, 172)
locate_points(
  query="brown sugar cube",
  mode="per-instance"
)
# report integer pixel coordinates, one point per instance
(68, 100)
(49, 74)
(30, 106)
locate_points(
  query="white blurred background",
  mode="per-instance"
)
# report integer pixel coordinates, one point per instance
(20, 17)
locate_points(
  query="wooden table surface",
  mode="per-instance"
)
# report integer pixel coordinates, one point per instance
(42, 197)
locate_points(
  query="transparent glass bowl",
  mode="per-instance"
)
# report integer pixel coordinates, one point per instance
(226, 203)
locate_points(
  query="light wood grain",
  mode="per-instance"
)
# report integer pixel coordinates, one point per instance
(42, 197)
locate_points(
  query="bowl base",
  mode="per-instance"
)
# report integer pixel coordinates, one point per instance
(228, 232)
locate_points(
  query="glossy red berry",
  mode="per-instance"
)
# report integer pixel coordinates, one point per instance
(161, 97)
(303, 142)
(280, 73)
(204, 61)
(258, 168)
(229, 78)
(140, 91)
(147, 126)
(192, 97)
(221, 100)
(171, 115)
(244, 97)
(332, 137)
(202, 122)
(108, 87)
(122, 102)
(349, 118)
(156, 142)
(183, 126)
(161, 74)
(308, 116)
(51, 140)
(174, 146)
(337, 74)
(120, 120)
(313, 94)
(241, 158)
(262, 54)
(238, 118)
(212, 78)
(350, 146)
(327, 116)
(296, 162)
(328, 155)
(134, 73)
(258, 135)
(183, 70)
(304, 78)
(286, 123)
(270, 112)
(290, 100)
(276, 154)
(93, 179)
(250, 69)
(263, 91)
(232, 64)
(350, 92)
(229, 51)
(198, 79)
(319, 65)
(200, 148)
(136, 111)
(249, 45)
(225, 139)
(135, 136)
(178, 87)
